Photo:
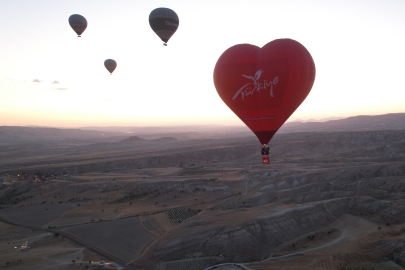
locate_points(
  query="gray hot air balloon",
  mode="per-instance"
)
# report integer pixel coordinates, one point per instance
(164, 22)
(78, 23)
(110, 65)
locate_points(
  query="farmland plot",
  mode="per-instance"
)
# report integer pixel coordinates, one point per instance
(229, 267)
(47, 251)
(36, 215)
(367, 262)
(123, 238)
(150, 224)
(191, 264)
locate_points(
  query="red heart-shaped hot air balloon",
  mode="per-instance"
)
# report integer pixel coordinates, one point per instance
(264, 86)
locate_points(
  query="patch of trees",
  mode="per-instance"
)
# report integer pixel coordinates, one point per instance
(129, 197)
(13, 262)
(12, 197)
(177, 216)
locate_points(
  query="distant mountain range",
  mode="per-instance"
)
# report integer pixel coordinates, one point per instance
(392, 121)
(318, 120)
(18, 135)
(161, 129)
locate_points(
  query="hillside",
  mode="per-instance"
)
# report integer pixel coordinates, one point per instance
(133, 139)
(393, 121)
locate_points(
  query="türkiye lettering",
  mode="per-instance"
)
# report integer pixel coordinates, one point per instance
(171, 24)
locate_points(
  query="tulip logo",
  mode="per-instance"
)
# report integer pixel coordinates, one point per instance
(250, 88)
(256, 77)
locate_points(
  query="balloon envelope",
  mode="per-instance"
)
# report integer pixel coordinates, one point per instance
(264, 86)
(164, 22)
(78, 23)
(110, 65)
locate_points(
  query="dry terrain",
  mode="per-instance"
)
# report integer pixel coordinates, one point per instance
(327, 201)
(47, 251)
(123, 238)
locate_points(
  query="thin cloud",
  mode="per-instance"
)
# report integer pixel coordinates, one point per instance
(61, 89)
(55, 82)
(36, 81)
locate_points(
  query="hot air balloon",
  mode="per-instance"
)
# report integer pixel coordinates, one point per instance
(164, 22)
(110, 65)
(78, 23)
(264, 86)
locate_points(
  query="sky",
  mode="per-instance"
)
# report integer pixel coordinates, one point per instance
(50, 77)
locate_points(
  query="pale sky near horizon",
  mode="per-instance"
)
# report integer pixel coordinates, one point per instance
(357, 47)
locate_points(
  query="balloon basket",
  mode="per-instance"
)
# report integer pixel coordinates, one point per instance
(164, 44)
(266, 159)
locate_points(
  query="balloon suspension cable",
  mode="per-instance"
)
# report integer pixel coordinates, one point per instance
(164, 44)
